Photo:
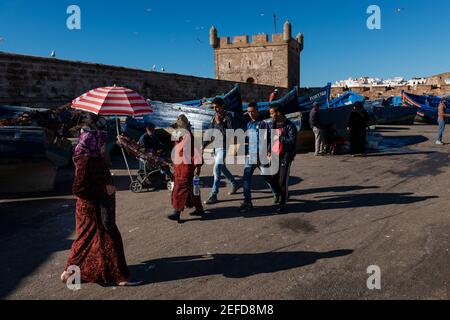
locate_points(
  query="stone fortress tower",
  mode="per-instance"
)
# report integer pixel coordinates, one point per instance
(259, 61)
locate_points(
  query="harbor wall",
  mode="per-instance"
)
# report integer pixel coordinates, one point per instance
(48, 82)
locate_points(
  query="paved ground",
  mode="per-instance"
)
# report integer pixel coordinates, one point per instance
(389, 209)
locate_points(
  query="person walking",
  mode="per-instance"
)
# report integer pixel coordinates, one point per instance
(252, 160)
(98, 249)
(222, 121)
(285, 148)
(187, 162)
(442, 114)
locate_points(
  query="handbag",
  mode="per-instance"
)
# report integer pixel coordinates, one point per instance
(277, 146)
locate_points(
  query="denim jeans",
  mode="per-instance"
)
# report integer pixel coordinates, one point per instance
(249, 169)
(441, 123)
(219, 168)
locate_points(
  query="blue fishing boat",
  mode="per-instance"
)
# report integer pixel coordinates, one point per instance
(22, 142)
(394, 115)
(320, 96)
(25, 160)
(347, 99)
(233, 100)
(335, 113)
(7, 111)
(426, 106)
(199, 112)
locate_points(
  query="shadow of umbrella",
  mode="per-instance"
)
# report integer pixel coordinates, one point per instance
(228, 265)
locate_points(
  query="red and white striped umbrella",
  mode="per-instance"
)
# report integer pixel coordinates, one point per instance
(113, 101)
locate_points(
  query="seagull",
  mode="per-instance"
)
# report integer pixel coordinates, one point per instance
(53, 54)
(199, 40)
(398, 10)
(154, 67)
(149, 9)
(162, 69)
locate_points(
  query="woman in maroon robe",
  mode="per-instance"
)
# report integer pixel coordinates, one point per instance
(187, 162)
(98, 249)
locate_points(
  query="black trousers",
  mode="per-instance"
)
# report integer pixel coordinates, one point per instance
(280, 181)
(358, 140)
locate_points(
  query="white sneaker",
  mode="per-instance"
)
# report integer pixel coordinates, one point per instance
(439, 143)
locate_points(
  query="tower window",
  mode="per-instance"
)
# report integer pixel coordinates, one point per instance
(229, 65)
(249, 62)
(270, 63)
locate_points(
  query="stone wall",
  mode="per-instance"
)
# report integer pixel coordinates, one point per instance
(385, 92)
(47, 82)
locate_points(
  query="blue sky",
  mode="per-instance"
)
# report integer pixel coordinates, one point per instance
(175, 34)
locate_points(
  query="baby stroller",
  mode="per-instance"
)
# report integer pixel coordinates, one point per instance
(156, 171)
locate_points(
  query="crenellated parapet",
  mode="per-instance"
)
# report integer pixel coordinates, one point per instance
(257, 40)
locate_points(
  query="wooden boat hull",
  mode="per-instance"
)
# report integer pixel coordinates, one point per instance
(395, 115)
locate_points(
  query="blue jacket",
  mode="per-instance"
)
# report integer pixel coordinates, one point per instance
(253, 128)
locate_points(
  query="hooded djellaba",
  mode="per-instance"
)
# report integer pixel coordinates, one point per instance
(98, 249)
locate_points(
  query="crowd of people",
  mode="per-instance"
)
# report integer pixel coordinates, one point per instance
(98, 249)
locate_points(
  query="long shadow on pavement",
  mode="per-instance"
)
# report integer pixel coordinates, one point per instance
(228, 265)
(30, 232)
(322, 203)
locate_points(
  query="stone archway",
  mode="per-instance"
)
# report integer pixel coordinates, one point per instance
(250, 80)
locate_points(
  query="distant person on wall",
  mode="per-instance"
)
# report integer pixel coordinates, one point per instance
(222, 121)
(273, 96)
(286, 151)
(187, 164)
(442, 114)
(316, 126)
(357, 126)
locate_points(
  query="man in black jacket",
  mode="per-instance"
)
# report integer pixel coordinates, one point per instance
(316, 126)
(286, 151)
(222, 121)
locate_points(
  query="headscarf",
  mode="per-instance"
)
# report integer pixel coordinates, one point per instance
(90, 144)
(182, 126)
(182, 123)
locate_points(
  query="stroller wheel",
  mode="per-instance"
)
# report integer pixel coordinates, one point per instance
(136, 186)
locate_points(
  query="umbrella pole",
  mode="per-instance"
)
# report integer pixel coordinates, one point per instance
(123, 152)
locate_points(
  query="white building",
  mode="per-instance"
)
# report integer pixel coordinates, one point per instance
(369, 81)
(415, 81)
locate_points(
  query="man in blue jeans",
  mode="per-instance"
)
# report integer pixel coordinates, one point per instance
(442, 114)
(252, 156)
(222, 121)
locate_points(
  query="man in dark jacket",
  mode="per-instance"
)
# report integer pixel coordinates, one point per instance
(357, 126)
(316, 126)
(222, 121)
(286, 151)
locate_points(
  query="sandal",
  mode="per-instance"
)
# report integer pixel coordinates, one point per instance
(129, 283)
(65, 276)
